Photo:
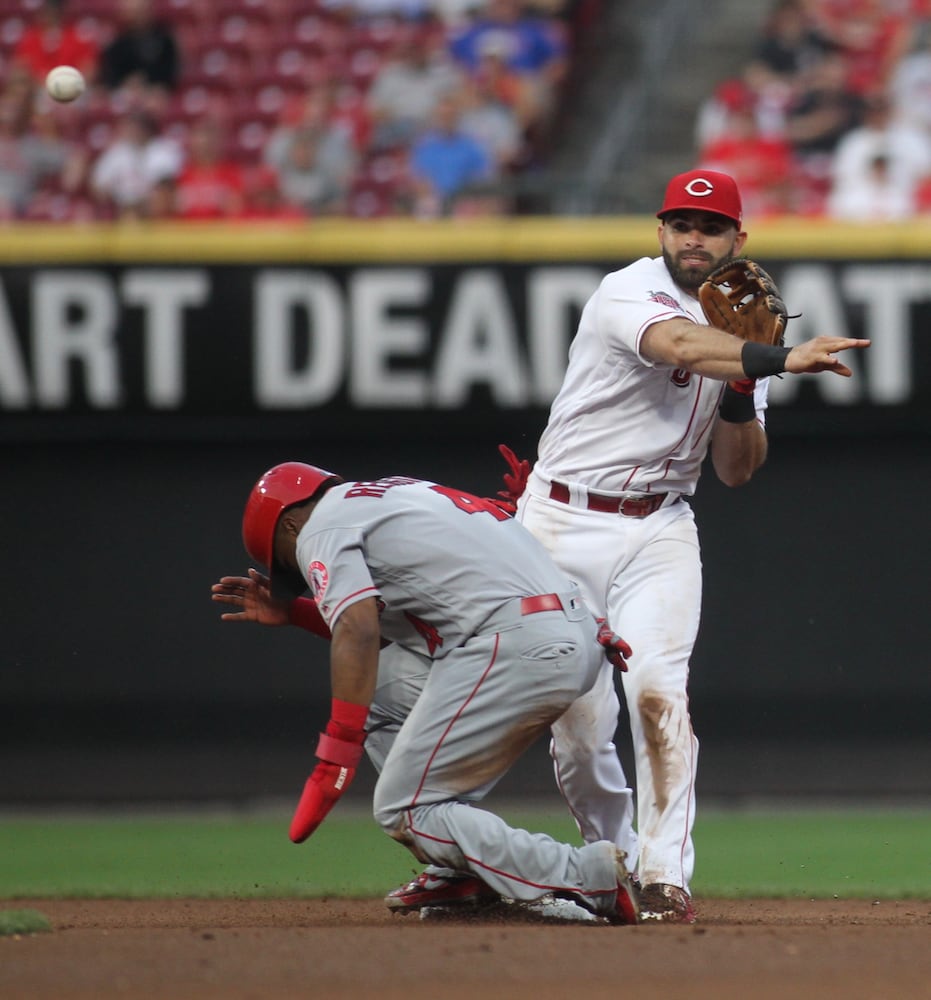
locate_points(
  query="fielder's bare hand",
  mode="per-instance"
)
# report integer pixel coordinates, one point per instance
(252, 596)
(820, 355)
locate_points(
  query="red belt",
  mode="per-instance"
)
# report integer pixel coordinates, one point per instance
(542, 602)
(628, 506)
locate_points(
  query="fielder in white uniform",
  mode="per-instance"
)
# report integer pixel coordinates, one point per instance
(456, 585)
(648, 389)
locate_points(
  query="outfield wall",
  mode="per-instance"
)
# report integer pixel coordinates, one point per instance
(147, 376)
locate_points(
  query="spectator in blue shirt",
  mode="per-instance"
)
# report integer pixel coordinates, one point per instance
(445, 161)
(531, 48)
(531, 44)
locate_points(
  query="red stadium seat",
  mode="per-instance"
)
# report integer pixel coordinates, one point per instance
(363, 66)
(248, 138)
(380, 33)
(11, 30)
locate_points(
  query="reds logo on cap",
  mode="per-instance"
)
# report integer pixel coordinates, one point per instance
(701, 187)
(703, 191)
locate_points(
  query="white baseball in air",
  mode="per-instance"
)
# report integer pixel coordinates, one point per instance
(65, 83)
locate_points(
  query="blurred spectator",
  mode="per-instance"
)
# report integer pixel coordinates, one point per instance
(791, 40)
(312, 154)
(790, 44)
(823, 111)
(30, 156)
(210, 186)
(910, 82)
(51, 142)
(712, 121)
(53, 40)
(883, 157)
(493, 123)
(308, 177)
(264, 199)
(143, 51)
(408, 85)
(872, 35)
(871, 196)
(445, 161)
(136, 160)
(411, 9)
(761, 165)
(532, 48)
(517, 91)
(454, 13)
(160, 202)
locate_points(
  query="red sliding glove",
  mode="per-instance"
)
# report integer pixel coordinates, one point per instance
(616, 650)
(339, 750)
(515, 481)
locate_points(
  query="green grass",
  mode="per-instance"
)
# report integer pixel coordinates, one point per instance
(810, 854)
(14, 922)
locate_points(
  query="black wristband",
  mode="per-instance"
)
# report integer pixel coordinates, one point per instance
(760, 360)
(736, 408)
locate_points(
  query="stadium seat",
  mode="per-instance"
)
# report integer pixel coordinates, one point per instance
(363, 66)
(247, 139)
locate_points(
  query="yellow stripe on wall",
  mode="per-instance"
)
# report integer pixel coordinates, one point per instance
(405, 240)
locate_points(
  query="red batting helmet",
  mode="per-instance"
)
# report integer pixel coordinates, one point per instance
(281, 487)
(703, 191)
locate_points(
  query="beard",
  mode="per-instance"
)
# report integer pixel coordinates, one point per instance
(689, 278)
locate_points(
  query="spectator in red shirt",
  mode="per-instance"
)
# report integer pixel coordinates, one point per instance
(53, 40)
(210, 186)
(871, 36)
(761, 165)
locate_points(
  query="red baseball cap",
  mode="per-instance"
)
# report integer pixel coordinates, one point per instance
(703, 191)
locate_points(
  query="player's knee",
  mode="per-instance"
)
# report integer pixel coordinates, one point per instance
(664, 716)
(389, 812)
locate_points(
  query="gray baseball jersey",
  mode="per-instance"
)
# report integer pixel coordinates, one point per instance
(439, 561)
(468, 593)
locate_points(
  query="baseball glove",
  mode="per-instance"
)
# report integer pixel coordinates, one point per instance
(740, 298)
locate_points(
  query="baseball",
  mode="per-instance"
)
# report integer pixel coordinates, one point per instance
(65, 83)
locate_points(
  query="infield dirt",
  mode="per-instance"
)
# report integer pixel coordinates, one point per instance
(188, 949)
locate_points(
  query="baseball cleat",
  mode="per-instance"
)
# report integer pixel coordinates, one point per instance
(627, 905)
(556, 908)
(666, 904)
(439, 890)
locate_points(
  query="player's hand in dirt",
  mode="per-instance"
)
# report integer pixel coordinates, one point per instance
(339, 752)
(252, 597)
(820, 355)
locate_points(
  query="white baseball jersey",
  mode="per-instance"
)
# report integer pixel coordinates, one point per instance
(620, 423)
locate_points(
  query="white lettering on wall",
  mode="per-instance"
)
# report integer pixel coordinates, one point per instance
(380, 336)
(386, 340)
(812, 291)
(15, 393)
(279, 297)
(882, 374)
(73, 326)
(163, 296)
(886, 295)
(479, 345)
